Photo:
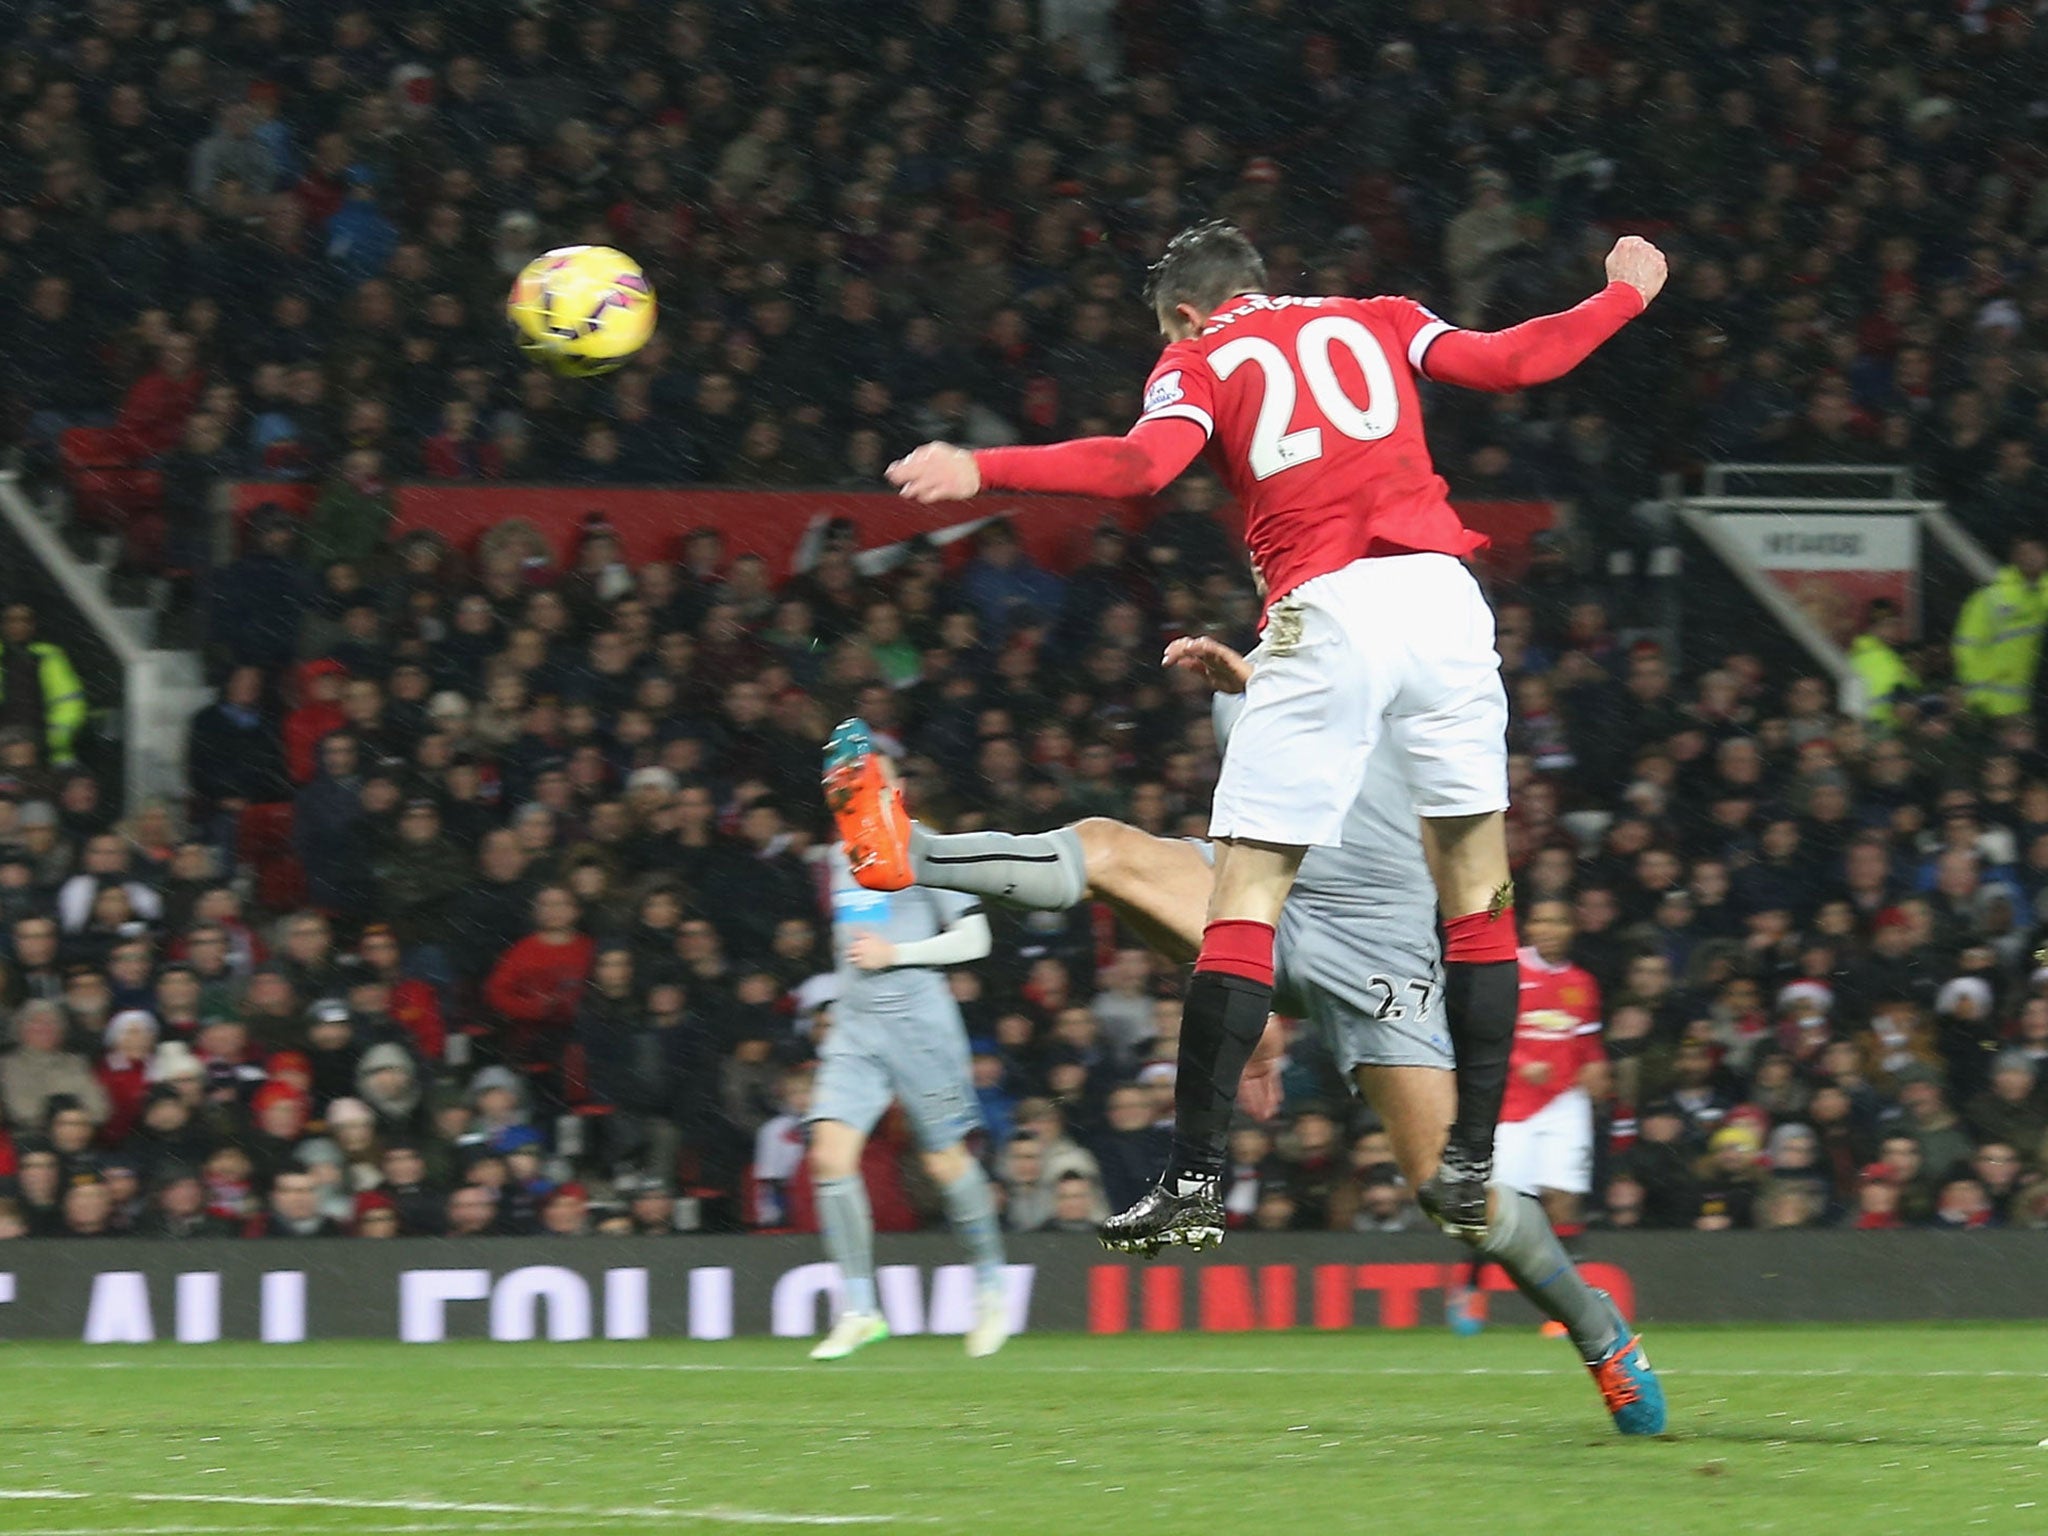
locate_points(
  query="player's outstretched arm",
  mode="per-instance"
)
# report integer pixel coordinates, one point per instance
(964, 940)
(1225, 670)
(1550, 346)
(1143, 462)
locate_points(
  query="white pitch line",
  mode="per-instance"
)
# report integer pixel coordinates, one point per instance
(463, 1528)
(718, 1514)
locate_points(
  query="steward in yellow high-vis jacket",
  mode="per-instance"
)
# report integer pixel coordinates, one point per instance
(39, 688)
(1998, 635)
(1875, 656)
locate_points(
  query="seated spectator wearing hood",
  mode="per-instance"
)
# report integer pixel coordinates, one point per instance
(388, 1080)
(498, 1100)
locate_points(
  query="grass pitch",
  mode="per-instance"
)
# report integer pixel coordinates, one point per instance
(1815, 1431)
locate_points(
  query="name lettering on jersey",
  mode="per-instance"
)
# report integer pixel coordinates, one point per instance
(1165, 391)
(1260, 303)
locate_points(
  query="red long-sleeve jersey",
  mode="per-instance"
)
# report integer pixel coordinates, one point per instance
(1558, 1024)
(1309, 412)
(153, 414)
(537, 984)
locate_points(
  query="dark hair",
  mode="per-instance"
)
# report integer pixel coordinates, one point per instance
(1203, 265)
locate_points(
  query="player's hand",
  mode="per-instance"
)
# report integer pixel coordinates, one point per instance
(1536, 1072)
(1259, 1092)
(869, 953)
(936, 472)
(1639, 264)
(1226, 671)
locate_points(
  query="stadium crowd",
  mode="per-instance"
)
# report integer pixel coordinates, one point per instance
(495, 906)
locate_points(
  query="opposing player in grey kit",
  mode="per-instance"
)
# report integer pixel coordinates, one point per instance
(896, 1035)
(1356, 957)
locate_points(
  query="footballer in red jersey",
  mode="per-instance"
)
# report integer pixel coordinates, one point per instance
(1375, 632)
(1544, 1146)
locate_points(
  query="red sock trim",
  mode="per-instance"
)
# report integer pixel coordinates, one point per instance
(1478, 938)
(1238, 947)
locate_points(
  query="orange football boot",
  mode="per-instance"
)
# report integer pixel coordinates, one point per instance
(867, 805)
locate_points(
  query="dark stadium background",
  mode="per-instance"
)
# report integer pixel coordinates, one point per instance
(264, 246)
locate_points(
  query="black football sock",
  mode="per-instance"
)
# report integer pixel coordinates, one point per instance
(1480, 1002)
(1221, 1022)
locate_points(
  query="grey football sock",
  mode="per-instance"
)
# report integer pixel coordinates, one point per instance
(971, 1210)
(849, 1231)
(1043, 871)
(1520, 1241)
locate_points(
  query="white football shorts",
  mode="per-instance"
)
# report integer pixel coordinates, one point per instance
(1552, 1149)
(1392, 653)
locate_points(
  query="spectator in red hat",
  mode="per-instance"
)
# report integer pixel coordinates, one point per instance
(290, 1069)
(376, 1216)
(279, 1113)
(566, 1212)
(1877, 1200)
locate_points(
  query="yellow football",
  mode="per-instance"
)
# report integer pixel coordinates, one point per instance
(582, 310)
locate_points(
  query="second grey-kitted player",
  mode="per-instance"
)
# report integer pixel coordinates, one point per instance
(897, 1036)
(1356, 955)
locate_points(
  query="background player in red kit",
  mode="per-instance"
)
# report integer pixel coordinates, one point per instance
(1309, 411)
(1544, 1146)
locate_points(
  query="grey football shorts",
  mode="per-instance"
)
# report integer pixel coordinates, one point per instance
(867, 1064)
